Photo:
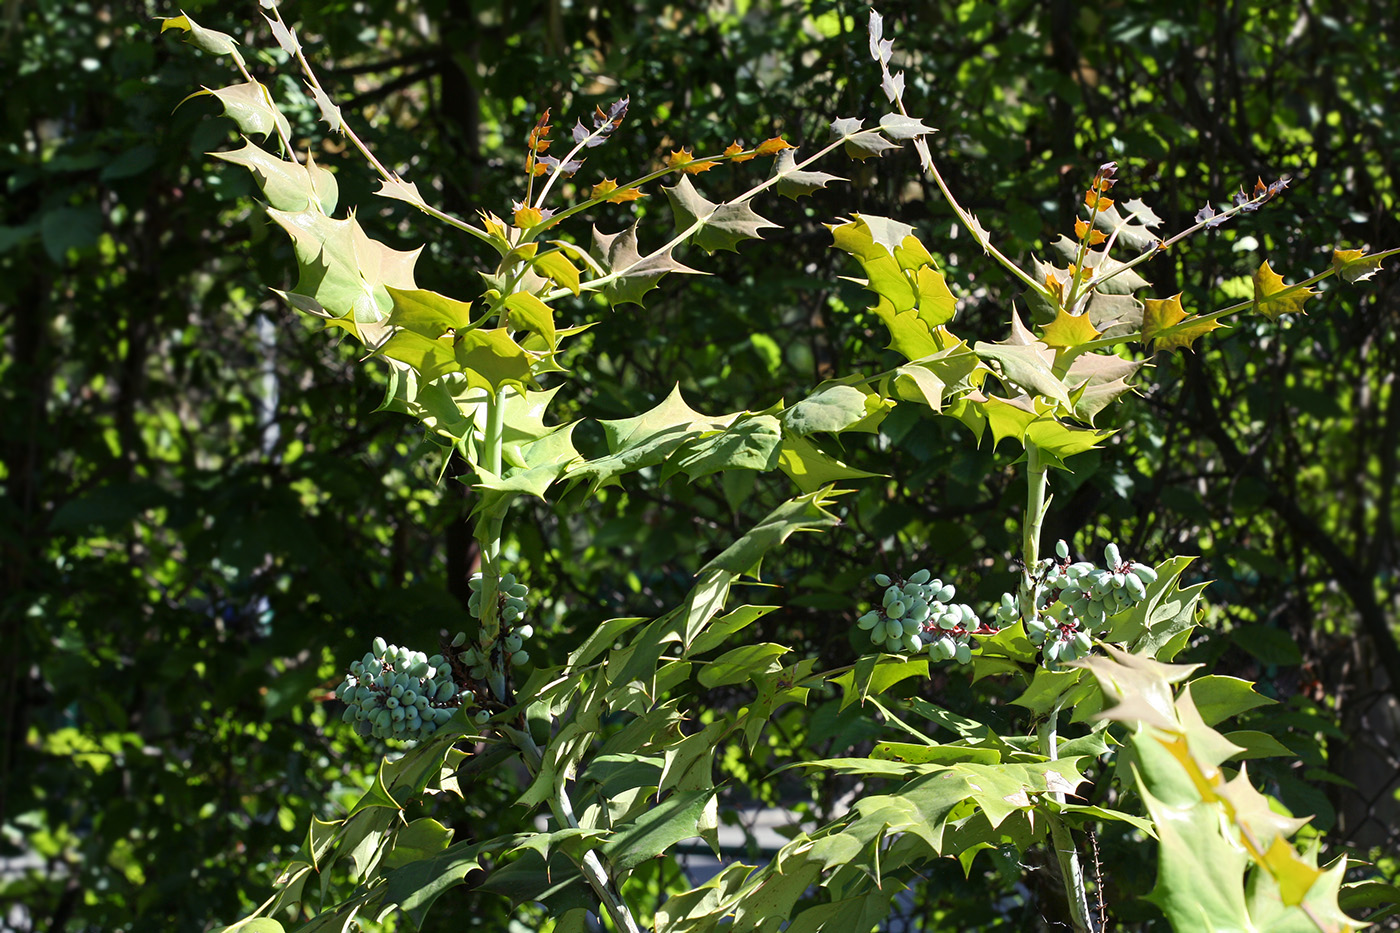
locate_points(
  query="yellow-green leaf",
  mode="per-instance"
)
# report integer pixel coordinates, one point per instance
(1068, 330)
(529, 313)
(1272, 297)
(208, 40)
(1160, 318)
(1353, 265)
(555, 266)
(287, 184)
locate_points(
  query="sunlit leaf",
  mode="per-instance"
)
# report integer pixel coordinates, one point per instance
(772, 146)
(251, 107)
(1165, 314)
(812, 468)
(793, 183)
(343, 272)
(288, 185)
(1353, 265)
(1068, 330)
(1273, 298)
(899, 126)
(207, 40)
(608, 189)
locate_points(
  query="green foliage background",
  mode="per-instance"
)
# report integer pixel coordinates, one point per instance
(203, 519)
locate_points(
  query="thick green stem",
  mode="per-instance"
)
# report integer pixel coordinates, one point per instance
(591, 865)
(488, 536)
(1071, 871)
(1066, 852)
(1036, 504)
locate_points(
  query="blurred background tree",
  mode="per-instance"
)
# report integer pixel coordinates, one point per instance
(204, 519)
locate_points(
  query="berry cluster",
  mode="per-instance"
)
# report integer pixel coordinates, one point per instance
(1089, 595)
(511, 596)
(397, 693)
(918, 614)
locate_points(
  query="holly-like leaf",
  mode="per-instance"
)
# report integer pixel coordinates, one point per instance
(892, 84)
(914, 297)
(1133, 224)
(810, 467)
(635, 274)
(1102, 378)
(608, 190)
(1353, 265)
(793, 183)
(945, 374)
(1209, 216)
(288, 185)
(207, 40)
(1028, 366)
(750, 442)
(835, 408)
(251, 107)
(343, 272)
(1273, 298)
(1068, 330)
(538, 464)
(398, 189)
(655, 436)
(555, 167)
(1162, 314)
(527, 312)
(1083, 231)
(772, 146)
(735, 152)
(860, 144)
(724, 226)
(1101, 265)
(329, 111)
(489, 359)
(428, 313)
(556, 267)
(899, 126)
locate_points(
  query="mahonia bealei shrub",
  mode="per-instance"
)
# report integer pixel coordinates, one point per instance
(1076, 599)
(398, 693)
(919, 615)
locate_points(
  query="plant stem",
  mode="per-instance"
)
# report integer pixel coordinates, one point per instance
(591, 865)
(488, 536)
(1071, 872)
(1036, 504)
(1066, 852)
